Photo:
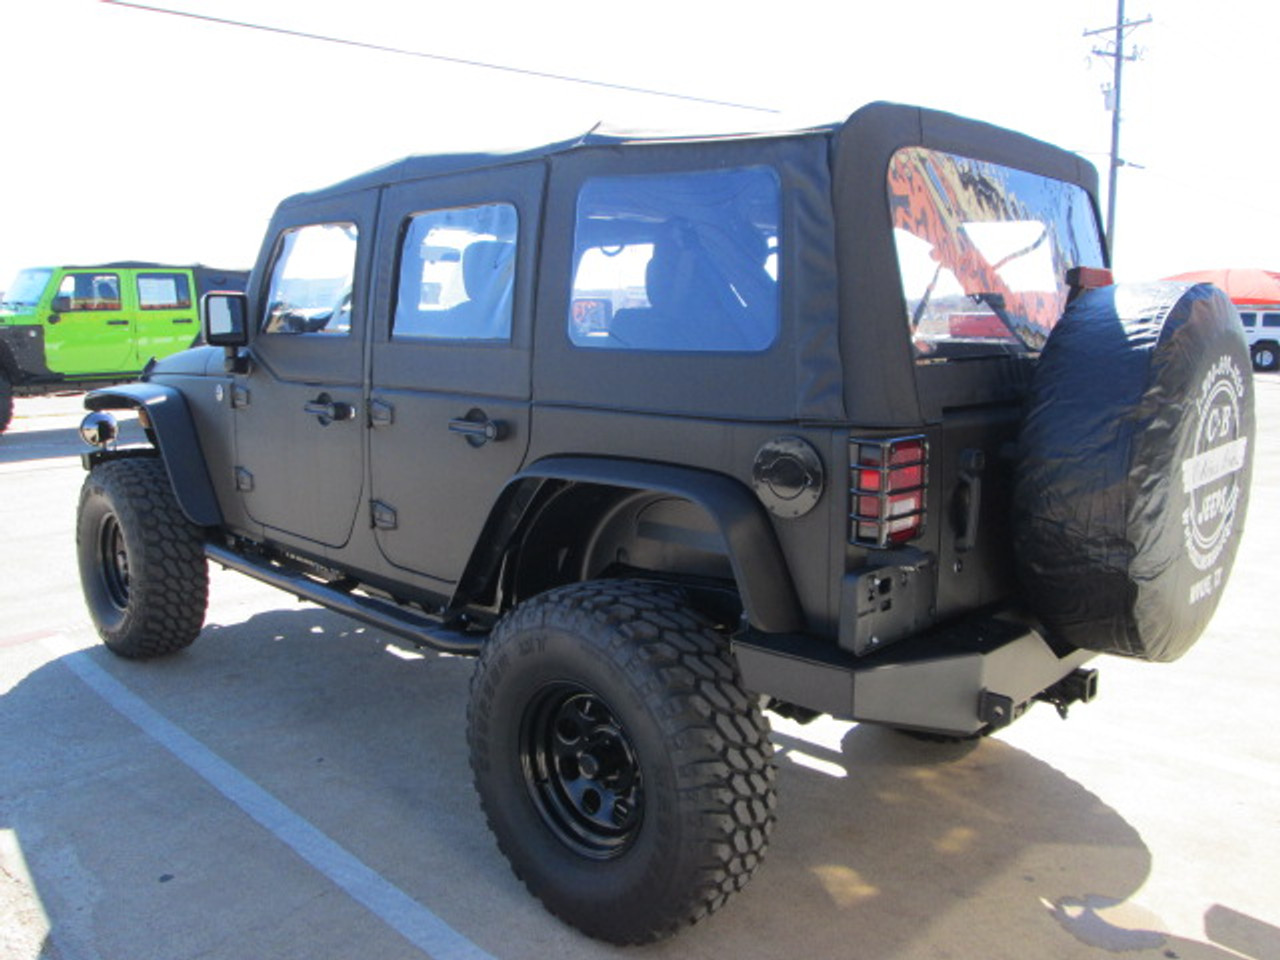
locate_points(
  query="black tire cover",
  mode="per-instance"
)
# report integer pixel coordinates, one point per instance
(1134, 465)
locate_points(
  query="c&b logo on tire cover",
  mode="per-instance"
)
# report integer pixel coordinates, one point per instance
(1211, 476)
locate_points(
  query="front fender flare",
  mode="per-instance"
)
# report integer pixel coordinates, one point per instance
(768, 595)
(175, 437)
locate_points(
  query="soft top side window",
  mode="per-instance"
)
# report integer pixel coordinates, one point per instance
(164, 291)
(457, 274)
(677, 262)
(983, 252)
(311, 281)
(90, 291)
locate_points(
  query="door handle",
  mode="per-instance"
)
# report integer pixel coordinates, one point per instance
(117, 323)
(327, 410)
(969, 498)
(478, 429)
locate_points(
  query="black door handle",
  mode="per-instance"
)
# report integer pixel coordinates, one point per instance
(327, 410)
(969, 498)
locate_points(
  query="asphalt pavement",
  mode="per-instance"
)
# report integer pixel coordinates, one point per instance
(296, 785)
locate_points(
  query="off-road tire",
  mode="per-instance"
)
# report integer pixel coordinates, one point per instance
(6, 402)
(142, 563)
(626, 775)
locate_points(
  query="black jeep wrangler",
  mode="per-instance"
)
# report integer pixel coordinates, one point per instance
(669, 432)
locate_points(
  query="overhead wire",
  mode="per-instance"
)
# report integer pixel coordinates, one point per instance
(443, 58)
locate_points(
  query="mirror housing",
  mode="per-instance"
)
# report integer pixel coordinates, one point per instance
(224, 317)
(60, 304)
(224, 320)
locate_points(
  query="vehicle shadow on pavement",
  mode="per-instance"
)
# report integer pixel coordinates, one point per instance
(891, 848)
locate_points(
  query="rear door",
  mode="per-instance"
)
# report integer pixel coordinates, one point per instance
(449, 410)
(983, 251)
(166, 317)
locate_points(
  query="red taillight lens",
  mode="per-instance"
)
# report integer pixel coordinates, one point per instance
(888, 495)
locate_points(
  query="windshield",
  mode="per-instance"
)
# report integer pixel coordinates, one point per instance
(983, 252)
(24, 292)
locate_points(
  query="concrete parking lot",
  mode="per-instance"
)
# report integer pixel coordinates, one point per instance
(296, 786)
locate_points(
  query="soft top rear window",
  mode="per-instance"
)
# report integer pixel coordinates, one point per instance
(983, 252)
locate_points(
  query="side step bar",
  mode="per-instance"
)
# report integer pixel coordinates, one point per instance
(957, 681)
(382, 614)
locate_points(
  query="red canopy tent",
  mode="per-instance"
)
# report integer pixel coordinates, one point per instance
(1241, 286)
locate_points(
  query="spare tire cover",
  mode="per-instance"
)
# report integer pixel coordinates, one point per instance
(1134, 464)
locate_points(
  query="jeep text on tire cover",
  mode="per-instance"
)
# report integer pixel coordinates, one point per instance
(849, 420)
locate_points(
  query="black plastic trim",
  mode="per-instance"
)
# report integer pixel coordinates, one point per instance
(768, 594)
(174, 434)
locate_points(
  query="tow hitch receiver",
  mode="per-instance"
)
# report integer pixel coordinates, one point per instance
(1079, 686)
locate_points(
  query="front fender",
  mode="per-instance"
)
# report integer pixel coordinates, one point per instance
(768, 595)
(175, 437)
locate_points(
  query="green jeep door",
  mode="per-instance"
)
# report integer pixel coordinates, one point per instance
(166, 317)
(87, 329)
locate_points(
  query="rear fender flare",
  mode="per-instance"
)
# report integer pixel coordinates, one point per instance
(174, 434)
(761, 573)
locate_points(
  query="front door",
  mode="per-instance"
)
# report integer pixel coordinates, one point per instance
(449, 411)
(300, 409)
(88, 330)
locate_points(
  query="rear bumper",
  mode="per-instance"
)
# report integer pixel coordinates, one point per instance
(945, 682)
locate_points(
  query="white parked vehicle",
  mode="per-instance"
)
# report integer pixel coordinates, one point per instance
(1262, 327)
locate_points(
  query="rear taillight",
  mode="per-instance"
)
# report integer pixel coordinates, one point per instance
(888, 490)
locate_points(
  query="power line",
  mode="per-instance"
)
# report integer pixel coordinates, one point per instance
(460, 61)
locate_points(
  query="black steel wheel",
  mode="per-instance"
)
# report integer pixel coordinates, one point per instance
(142, 564)
(627, 776)
(581, 770)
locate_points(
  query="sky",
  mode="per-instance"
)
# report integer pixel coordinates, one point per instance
(136, 135)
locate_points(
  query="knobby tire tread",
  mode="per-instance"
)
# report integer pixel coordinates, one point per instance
(170, 578)
(718, 736)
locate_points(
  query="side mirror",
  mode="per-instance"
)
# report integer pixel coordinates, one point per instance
(224, 316)
(60, 304)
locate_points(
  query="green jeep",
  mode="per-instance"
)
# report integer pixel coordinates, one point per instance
(69, 327)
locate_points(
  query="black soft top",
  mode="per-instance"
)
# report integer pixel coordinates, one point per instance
(861, 367)
(876, 125)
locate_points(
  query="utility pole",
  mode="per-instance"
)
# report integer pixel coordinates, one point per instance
(1120, 31)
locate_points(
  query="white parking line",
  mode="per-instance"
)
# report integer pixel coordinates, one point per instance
(386, 901)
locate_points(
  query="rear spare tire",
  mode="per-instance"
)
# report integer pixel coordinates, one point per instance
(1134, 466)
